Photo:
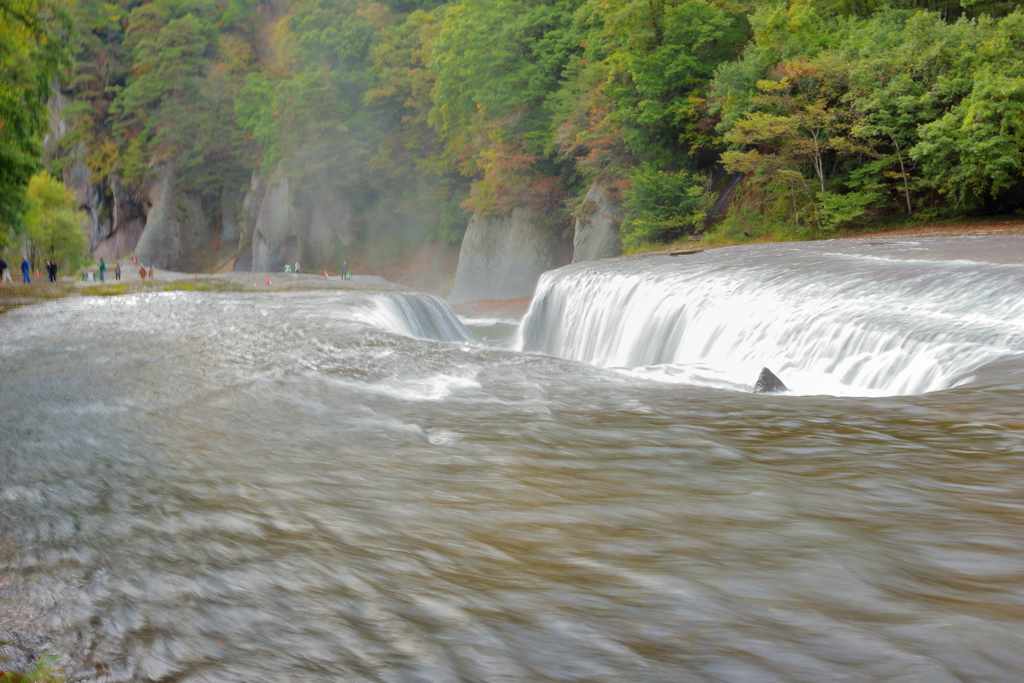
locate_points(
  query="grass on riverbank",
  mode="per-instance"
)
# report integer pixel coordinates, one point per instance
(997, 225)
(136, 286)
(43, 671)
(20, 294)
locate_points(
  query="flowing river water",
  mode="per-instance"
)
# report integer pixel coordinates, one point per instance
(337, 486)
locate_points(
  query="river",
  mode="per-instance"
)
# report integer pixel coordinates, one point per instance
(343, 486)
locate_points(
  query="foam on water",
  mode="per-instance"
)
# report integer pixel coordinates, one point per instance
(325, 486)
(423, 316)
(826, 318)
(436, 387)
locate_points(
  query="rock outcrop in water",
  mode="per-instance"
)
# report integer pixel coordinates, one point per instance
(502, 257)
(597, 226)
(768, 383)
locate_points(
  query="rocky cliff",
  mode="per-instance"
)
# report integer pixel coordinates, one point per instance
(247, 221)
(181, 232)
(597, 226)
(502, 257)
(283, 218)
(298, 221)
(116, 211)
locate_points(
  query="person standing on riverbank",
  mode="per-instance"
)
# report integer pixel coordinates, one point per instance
(152, 272)
(142, 272)
(103, 270)
(5, 272)
(117, 271)
(25, 267)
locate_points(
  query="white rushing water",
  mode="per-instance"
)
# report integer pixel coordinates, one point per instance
(852, 318)
(347, 486)
(423, 316)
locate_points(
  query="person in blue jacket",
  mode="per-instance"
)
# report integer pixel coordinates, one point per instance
(25, 267)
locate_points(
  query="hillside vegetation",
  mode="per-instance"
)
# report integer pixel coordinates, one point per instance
(422, 113)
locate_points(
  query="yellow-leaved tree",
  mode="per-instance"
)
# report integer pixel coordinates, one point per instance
(53, 224)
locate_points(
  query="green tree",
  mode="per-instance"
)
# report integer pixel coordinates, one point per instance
(33, 56)
(975, 149)
(54, 226)
(796, 139)
(497, 62)
(310, 113)
(157, 110)
(662, 206)
(634, 110)
(654, 61)
(100, 68)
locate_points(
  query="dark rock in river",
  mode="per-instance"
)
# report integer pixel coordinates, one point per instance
(768, 383)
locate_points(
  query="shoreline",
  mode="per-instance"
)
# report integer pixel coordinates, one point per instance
(19, 294)
(1011, 227)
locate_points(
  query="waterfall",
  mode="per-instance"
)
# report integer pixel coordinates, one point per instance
(423, 316)
(839, 317)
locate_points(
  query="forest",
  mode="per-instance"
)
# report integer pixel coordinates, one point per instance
(830, 112)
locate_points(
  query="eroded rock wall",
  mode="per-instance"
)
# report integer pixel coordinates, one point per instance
(273, 223)
(180, 232)
(502, 257)
(247, 220)
(597, 226)
(299, 222)
(116, 212)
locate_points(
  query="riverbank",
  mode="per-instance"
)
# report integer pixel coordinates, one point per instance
(996, 226)
(20, 294)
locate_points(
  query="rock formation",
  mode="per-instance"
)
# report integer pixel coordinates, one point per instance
(597, 226)
(117, 216)
(768, 383)
(180, 232)
(298, 222)
(502, 257)
(247, 220)
(116, 213)
(725, 196)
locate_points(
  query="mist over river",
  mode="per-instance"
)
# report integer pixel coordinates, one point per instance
(349, 486)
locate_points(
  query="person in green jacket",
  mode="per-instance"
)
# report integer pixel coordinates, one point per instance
(103, 269)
